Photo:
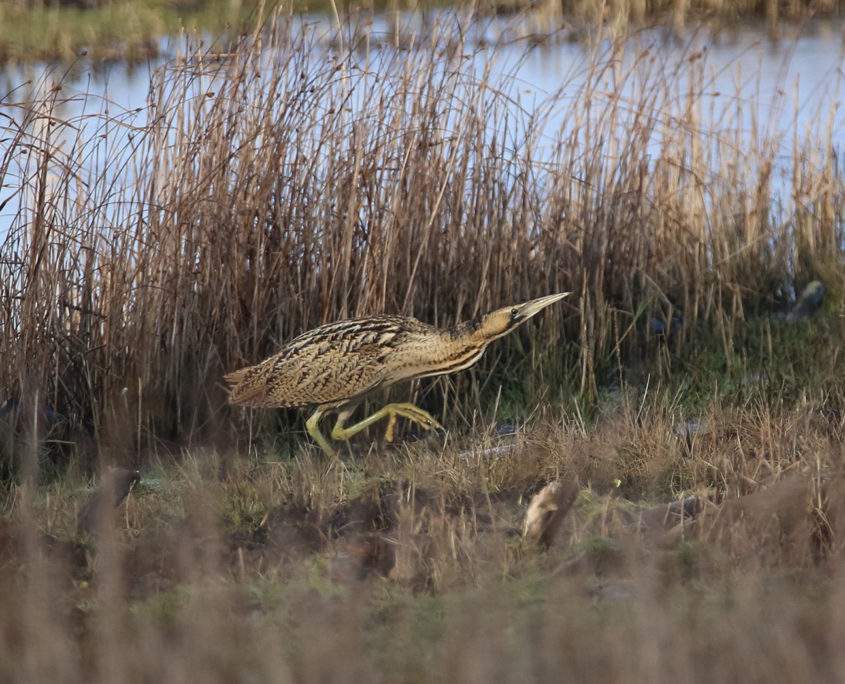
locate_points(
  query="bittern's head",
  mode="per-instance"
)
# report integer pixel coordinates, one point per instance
(501, 321)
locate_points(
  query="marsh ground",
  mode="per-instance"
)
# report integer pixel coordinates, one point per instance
(407, 563)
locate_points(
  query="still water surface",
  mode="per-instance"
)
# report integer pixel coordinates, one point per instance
(791, 87)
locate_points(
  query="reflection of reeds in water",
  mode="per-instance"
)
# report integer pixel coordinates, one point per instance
(132, 30)
(282, 187)
(540, 17)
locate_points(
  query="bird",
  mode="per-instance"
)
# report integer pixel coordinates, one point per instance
(335, 366)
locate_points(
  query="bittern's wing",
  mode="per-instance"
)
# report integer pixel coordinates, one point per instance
(328, 365)
(301, 381)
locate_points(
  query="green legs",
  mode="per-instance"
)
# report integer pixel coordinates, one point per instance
(339, 433)
(409, 411)
(316, 435)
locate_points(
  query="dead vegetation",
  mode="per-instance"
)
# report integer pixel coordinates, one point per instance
(297, 181)
(410, 563)
(696, 436)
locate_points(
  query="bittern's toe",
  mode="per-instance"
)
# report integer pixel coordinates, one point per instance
(439, 430)
(413, 413)
(391, 425)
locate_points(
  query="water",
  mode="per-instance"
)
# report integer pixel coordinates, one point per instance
(790, 89)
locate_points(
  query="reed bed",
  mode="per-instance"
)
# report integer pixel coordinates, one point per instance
(298, 178)
(301, 176)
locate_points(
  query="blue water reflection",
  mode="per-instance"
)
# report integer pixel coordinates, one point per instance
(759, 92)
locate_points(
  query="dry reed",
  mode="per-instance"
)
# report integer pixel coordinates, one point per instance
(296, 180)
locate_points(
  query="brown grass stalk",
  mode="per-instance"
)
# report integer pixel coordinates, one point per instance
(287, 183)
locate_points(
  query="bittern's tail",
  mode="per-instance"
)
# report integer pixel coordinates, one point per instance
(235, 377)
(245, 390)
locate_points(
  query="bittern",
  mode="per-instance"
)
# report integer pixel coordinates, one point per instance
(335, 366)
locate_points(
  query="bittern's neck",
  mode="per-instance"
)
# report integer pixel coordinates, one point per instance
(474, 333)
(442, 351)
(469, 331)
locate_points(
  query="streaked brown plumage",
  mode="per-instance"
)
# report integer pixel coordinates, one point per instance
(334, 366)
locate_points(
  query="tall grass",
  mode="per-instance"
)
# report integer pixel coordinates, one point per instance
(296, 179)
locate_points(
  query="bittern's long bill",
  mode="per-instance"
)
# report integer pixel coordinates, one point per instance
(334, 366)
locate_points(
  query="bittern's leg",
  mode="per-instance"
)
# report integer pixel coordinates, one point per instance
(314, 430)
(409, 411)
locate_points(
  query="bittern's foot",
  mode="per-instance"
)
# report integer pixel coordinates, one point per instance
(413, 413)
(391, 412)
